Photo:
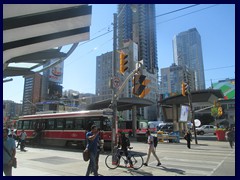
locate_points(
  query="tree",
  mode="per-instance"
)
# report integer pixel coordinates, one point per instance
(214, 113)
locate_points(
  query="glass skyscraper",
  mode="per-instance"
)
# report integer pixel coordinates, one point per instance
(137, 24)
(187, 51)
(140, 27)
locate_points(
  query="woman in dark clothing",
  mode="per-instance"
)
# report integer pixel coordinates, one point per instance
(124, 143)
(188, 138)
(230, 137)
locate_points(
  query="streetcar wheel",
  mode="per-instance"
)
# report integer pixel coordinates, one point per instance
(109, 162)
(137, 161)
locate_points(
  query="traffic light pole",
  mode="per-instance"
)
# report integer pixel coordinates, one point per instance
(114, 70)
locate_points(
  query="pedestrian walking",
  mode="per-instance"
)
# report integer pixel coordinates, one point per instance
(12, 134)
(92, 139)
(188, 138)
(99, 148)
(23, 137)
(230, 137)
(9, 152)
(151, 149)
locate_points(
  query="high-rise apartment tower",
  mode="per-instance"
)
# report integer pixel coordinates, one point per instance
(140, 27)
(187, 51)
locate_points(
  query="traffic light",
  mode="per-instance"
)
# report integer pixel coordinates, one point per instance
(220, 111)
(184, 88)
(139, 85)
(123, 62)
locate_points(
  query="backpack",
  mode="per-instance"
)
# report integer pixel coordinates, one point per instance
(155, 141)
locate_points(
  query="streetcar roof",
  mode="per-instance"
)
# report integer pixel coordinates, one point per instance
(85, 113)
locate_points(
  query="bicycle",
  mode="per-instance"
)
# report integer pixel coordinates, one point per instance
(113, 161)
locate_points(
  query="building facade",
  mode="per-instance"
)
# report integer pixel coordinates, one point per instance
(11, 109)
(31, 93)
(187, 51)
(52, 79)
(137, 30)
(227, 86)
(103, 75)
(173, 76)
(140, 27)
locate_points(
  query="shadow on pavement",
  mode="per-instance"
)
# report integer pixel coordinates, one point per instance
(139, 172)
(179, 171)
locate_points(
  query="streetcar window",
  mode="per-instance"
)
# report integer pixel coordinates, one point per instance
(107, 125)
(97, 122)
(26, 124)
(69, 124)
(32, 124)
(19, 126)
(59, 124)
(79, 124)
(50, 124)
(44, 124)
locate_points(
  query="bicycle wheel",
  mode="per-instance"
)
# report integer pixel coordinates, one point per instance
(137, 161)
(109, 162)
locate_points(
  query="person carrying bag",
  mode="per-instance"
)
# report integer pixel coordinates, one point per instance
(13, 159)
(9, 151)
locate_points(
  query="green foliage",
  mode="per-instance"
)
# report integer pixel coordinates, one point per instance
(214, 111)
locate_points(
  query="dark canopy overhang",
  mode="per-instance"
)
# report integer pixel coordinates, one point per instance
(122, 104)
(34, 34)
(205, 97)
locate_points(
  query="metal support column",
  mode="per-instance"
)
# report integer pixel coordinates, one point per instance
(134, 120)
(192, 118)
(114, 70)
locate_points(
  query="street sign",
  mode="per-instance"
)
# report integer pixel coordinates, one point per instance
(116, 82)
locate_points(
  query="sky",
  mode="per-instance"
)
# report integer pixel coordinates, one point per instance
(215, 24)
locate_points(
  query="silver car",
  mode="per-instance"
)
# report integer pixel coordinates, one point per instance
(206, 129)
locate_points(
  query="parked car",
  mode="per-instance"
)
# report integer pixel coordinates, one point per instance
(206, 129)
(166, 128)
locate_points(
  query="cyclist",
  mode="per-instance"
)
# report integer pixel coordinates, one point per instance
(124, 142)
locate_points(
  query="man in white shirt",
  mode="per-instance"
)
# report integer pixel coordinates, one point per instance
(151, 149)
(23, 137)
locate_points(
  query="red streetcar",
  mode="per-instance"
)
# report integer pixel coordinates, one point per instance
(65, 129)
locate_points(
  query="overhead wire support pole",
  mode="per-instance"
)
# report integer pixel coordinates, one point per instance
(114, 70)
(192, 117)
